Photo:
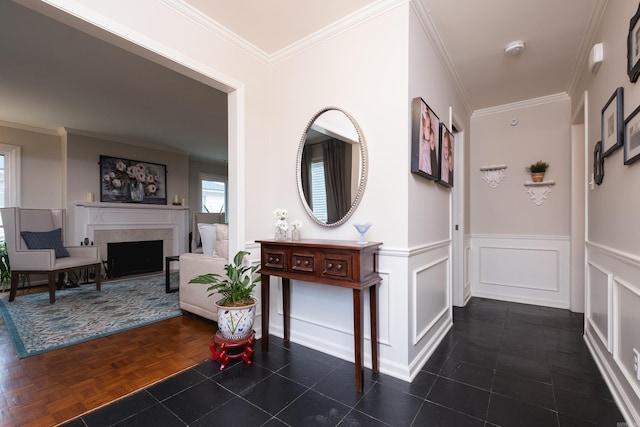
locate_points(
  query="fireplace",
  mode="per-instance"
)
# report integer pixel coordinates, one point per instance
(105, 223)
(128, 258)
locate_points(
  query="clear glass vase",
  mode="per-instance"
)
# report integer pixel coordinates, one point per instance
(281, 234)
(136, 189)
(295, 234)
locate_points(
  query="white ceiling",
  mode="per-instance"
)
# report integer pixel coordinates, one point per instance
(53, 76)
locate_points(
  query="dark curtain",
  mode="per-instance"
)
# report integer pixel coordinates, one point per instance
(305, 170)
(335, 179)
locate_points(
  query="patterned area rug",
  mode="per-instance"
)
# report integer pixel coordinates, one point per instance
(82, 314)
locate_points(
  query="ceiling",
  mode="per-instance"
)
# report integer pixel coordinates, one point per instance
(54, 76)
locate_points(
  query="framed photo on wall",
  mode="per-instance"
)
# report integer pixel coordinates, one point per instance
(132, 181)
(425, 132)
(633, 47)
(632, 137)
(612, 123)
(446, 156)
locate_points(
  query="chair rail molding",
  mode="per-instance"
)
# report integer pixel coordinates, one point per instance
(493, 174)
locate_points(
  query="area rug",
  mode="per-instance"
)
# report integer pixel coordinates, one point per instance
(82, 314)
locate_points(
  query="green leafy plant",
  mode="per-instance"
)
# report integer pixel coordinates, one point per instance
(538, 166)
(5, 267)
(236, 288)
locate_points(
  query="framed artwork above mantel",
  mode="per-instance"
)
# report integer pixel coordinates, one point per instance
(132, 181)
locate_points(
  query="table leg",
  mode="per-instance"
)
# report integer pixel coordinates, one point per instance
(167, 262)
(264, 296)
(286, 307)
(373, 314)
(358, 337)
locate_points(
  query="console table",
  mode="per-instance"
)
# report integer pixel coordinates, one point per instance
(347, 264)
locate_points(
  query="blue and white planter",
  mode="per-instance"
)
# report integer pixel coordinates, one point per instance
(236, 323)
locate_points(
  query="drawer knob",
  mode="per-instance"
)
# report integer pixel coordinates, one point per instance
(306, 262)
(329, 265)
(339, 267)
(298, 262)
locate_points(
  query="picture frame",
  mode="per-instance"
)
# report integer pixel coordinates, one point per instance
(632, 137)
(612, 123)
(447, 143)
(633, 47)
(132, 181)
(598, 163)
(425, 144)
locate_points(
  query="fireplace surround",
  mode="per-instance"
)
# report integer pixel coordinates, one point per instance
(104, 223)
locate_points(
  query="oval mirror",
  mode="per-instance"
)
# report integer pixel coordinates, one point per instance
(331, 166)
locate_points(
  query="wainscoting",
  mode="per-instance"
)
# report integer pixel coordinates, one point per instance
(611, 321)
(414, 310)
(525, 269)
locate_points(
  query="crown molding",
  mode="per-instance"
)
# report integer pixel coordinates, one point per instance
(206, 22)
(424, 16)
(587, 43)
(521, 104)
(343, 24)
(29, 128)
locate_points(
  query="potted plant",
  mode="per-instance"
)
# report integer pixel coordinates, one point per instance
(237, 308)
(537, 170)
(5, 267)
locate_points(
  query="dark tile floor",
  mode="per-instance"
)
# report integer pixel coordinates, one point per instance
(502, 364)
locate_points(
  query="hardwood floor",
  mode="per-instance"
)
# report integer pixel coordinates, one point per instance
(51, 388)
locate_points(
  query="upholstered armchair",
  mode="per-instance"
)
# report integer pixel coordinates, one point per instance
(202, 218)
(35, 244)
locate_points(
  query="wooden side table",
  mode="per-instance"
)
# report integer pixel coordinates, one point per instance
(220, 347)
(167, 283)
(329, 262)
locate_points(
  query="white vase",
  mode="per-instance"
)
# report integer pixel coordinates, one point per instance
(236, 323)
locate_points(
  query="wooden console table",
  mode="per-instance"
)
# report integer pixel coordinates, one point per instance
(331, 262)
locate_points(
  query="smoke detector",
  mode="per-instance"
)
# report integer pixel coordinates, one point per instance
(514, 48)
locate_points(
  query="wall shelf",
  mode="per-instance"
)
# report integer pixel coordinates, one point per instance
(539, 191)
(493, 174)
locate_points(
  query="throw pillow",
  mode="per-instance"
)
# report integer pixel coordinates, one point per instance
(208, 238)
(46, 240)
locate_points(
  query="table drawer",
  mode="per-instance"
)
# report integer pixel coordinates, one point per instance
(275, 259)
(302, 262)
(337, 266)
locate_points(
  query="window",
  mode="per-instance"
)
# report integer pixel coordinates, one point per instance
(9, 178)
(318, 190)
(214, 194)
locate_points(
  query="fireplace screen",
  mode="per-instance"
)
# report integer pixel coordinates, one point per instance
(128, 258)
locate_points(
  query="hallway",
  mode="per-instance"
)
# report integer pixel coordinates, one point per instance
(502, 364)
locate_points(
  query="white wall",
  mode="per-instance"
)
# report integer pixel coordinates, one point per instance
(428, 270)
(41, 171)
(372, 74)
(613, 245)
(520, 251)
(353, 66)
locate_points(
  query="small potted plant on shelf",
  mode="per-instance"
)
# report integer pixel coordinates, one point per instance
(537, 170)
(237, 308)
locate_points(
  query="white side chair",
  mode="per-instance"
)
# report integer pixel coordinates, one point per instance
(44, 261)
(202, 218)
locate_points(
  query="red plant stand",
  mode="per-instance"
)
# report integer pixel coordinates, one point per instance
(220, 347)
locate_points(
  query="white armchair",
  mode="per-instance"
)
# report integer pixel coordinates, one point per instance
(41, 227)
(202, 218)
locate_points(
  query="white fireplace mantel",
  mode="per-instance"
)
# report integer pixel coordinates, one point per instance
(92, 216)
